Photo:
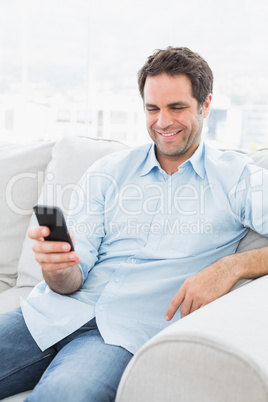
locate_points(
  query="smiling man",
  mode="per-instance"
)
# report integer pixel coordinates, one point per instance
(174, 118)
(168, 217)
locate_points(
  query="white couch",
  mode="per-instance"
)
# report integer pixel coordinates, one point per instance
(216, 354)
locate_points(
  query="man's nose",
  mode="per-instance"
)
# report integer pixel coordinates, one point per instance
(164, 119)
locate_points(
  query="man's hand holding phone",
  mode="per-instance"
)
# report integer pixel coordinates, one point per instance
(53, 256)
(53, 248)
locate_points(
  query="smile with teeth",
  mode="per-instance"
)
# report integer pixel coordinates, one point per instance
(169, 134)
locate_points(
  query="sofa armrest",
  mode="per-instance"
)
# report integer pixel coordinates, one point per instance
(218, 353)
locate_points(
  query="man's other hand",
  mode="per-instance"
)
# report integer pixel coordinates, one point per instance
(204, 287)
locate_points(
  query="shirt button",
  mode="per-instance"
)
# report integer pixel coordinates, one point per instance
(117, 279)
(133, 261)
(100, 307)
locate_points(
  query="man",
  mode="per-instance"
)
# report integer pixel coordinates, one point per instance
(162, 225)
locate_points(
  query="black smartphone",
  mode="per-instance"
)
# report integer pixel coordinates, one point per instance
(53, 218)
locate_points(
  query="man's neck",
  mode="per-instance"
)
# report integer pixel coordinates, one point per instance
(171, 163)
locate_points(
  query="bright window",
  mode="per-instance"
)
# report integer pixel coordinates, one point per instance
(69, 67)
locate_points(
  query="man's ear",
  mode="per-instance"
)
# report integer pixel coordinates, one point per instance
(206, 106)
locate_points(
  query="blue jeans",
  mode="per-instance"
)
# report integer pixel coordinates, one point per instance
(81, 367)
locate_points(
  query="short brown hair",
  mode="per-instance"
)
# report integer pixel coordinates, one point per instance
(179, 60)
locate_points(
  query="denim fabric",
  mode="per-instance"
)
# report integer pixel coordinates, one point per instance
(81, 367)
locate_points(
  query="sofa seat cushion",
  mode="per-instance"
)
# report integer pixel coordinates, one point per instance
(10, 298)
(17, 398)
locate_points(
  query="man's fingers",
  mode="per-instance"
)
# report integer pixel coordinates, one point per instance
(175, 304)
(57, 262)
(50, 247)
(38, 232)
(187, 307)
(55, 258)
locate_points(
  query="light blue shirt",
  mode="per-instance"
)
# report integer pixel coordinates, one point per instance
(141, 232)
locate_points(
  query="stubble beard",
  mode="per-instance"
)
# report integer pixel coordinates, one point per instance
(179, 149)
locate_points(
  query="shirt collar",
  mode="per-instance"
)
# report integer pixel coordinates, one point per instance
(150, 161)
(196, 160)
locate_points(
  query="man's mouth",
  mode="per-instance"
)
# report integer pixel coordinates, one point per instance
(169, 134)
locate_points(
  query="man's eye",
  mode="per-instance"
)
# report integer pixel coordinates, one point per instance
(177, 108)
(152, 110)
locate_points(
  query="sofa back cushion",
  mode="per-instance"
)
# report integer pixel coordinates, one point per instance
(71, 157)
(22, 170)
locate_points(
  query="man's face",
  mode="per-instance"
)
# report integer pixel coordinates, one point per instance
(173, 117)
